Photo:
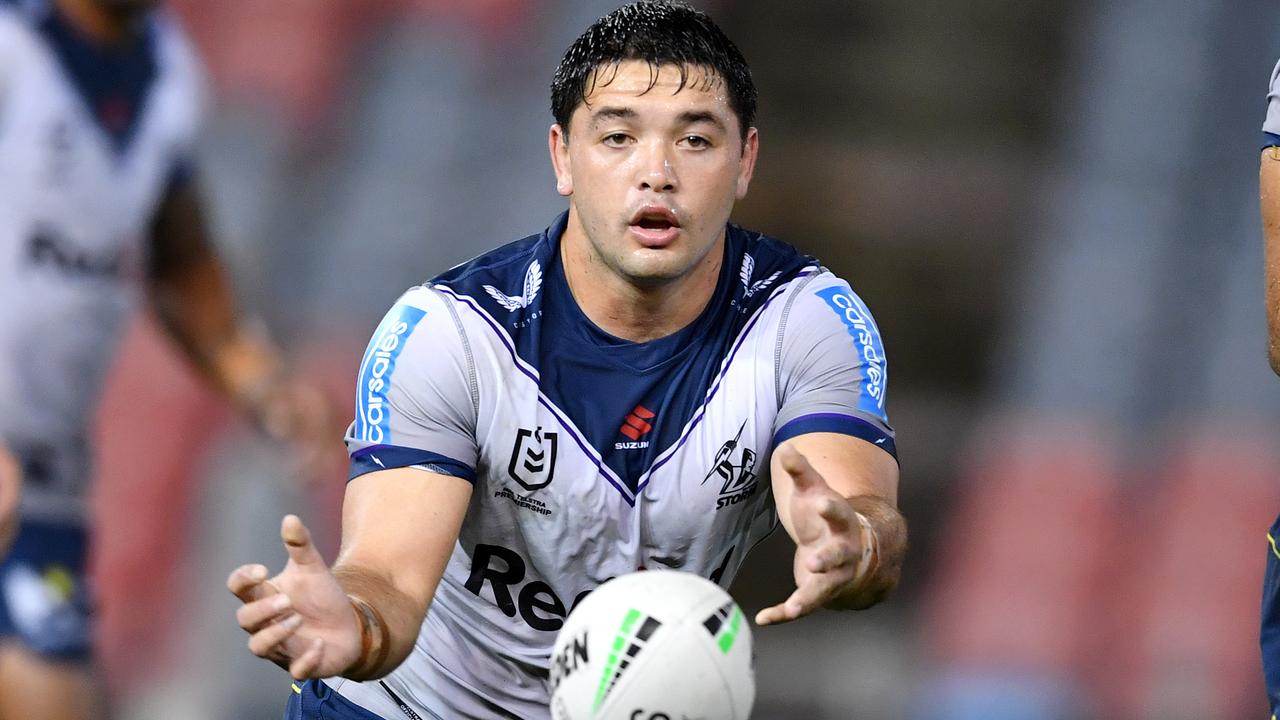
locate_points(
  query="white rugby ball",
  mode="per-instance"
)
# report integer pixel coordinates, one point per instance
(654, 645)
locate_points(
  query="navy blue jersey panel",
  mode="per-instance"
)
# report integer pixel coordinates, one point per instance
(113, 81)
(630, 400)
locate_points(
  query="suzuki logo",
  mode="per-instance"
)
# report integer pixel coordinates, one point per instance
(636, 425)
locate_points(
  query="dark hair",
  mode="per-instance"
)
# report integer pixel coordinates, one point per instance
(659, 32)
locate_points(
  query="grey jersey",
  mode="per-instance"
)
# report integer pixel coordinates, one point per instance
(83, 164)
(593, 457)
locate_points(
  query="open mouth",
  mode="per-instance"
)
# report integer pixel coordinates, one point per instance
(655, 225)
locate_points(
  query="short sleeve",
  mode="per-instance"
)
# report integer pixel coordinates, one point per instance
(1271, 126)
(416, 396)
(831, 370)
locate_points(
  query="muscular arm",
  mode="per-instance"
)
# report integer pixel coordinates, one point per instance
(1269, 195)
(191, 295)
(399, 528)
(865, 478)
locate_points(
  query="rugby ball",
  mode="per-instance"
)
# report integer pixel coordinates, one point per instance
(654, 645)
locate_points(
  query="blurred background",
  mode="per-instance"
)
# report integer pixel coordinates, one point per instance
(1051, 207)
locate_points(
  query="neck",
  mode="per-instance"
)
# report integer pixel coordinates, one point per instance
(622, 308)
(98, 23)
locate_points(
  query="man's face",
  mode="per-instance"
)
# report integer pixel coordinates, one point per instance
(652, 174)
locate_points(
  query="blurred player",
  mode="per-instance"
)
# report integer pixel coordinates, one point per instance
(1269, 194)
(641, 385)
(99, 103)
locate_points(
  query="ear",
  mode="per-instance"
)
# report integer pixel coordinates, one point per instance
(558, 144)
(747, 164)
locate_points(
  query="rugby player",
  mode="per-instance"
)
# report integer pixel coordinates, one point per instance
(99, 102)
(641, 385)
(1269, 198)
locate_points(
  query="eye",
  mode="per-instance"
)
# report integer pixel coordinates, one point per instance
(616, 139)
(697, 142)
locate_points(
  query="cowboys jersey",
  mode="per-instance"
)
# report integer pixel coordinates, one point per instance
(90, 139)
(593, 456)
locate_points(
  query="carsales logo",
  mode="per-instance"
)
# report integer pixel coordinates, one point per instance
(372, 416)
(866, 342)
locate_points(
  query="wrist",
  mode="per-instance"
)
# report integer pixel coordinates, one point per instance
(869, 559)
(375, 641)
(248, 365)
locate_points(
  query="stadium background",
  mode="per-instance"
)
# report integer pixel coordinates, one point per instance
(1049, 206)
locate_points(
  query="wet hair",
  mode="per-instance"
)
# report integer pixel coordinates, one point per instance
(658, 32)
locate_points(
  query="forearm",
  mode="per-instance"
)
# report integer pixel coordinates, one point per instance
(192, 296)
(400, 615)
(888, 540)
(1269, 197)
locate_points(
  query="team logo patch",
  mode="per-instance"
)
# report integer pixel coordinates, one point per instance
(748, 269)
(532, 283)
(533, 458)
(735, 466)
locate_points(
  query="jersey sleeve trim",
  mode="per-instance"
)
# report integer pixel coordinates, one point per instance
(837, 423)
(1270, 140)
(389, 457)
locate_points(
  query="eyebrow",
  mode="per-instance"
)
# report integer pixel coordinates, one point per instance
(612, 113)
(697, 116)
(688, 117)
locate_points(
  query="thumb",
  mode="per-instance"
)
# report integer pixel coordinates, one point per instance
(297, 541)
(797, 466)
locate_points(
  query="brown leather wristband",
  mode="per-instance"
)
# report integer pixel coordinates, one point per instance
(375, 641)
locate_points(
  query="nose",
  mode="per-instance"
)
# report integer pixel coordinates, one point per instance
(656, 172)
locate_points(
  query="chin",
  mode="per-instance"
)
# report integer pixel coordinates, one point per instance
(654, 272)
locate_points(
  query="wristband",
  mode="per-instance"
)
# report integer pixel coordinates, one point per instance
(869, 561)
(375, 641)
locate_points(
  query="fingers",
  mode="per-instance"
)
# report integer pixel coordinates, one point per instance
(264, 642)
(773, 615)
(832, 556)
(792, 609)
(297, 541)
(807, 598)
(253, 616)
(836, 511)
(798, 467)
(306, 664)
(248, 582)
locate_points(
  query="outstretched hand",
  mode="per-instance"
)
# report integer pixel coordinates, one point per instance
(301, 619)
(829, 546)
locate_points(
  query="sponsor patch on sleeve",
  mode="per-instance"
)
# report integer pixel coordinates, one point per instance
(373, 415)
(866, 342)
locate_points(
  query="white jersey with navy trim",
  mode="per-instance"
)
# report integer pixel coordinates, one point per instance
(592, 456)
(89, 140)
(1271, 125)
